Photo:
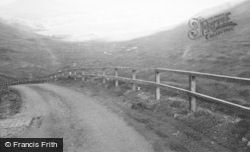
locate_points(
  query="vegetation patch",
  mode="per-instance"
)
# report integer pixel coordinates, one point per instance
(231, 130)
(10, 103)
(209, 126)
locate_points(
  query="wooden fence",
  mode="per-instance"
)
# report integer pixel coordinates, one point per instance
(100, 72)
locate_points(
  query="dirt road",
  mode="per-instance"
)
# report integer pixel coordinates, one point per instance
(85, 125)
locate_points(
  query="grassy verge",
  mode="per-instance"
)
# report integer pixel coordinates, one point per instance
(10, 103)
(220, 126)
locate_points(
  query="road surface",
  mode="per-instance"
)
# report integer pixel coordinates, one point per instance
(85, 125)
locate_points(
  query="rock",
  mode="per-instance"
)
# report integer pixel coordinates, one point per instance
(143, 96)
(176, 133)
(248, 144)
(176, 115)
(244, 139)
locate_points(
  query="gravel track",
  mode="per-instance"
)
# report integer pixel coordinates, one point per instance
(85, 125)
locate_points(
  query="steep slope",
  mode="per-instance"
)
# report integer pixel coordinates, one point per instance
(26, 54)
(227, 53)
(23, 53)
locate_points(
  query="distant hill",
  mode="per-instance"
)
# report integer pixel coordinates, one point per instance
(228, 53)
(24, 52)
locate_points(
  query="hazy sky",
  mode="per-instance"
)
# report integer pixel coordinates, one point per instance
(103, 19)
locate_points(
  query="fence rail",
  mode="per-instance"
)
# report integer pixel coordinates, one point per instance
(100, 72)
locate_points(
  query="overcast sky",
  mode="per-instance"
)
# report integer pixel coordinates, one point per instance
(103, 19)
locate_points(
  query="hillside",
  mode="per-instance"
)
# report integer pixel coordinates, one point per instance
(24, 50)
(227, 53)
(26, 54)
(173, 49)
(23, 53)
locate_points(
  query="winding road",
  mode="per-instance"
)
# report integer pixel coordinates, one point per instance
(85, 124)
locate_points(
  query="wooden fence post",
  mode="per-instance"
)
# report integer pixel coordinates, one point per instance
(157, 90)
(103, 76)
(83, 75)
(116, 75)
(75, 75)
(192, 99)
(133, 78)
